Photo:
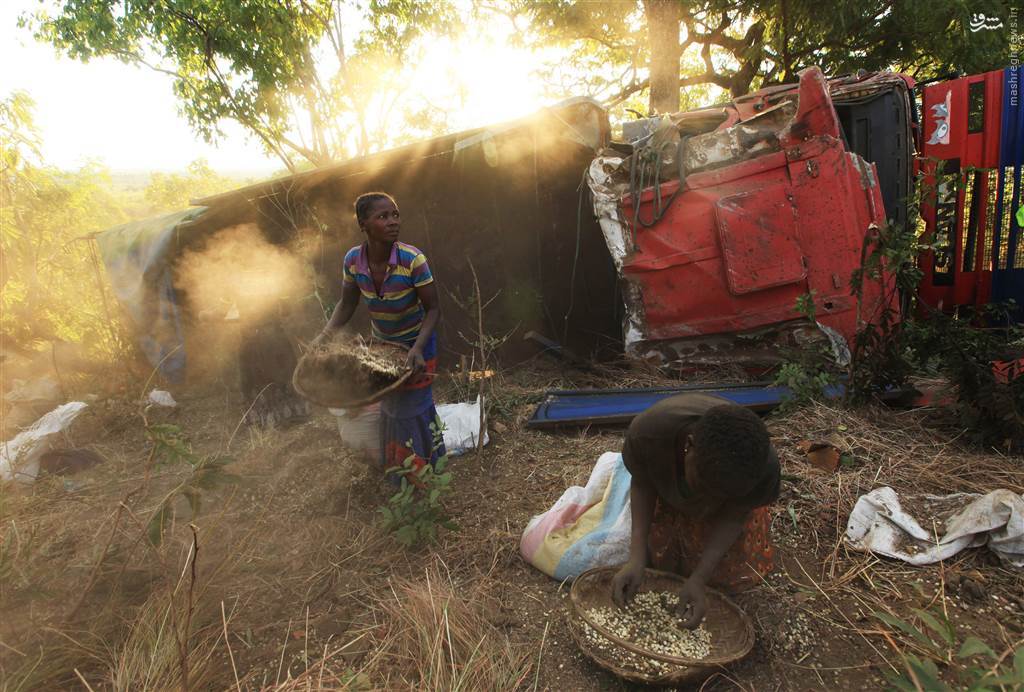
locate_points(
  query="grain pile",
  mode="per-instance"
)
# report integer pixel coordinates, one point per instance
(650, 622)
(341, 373)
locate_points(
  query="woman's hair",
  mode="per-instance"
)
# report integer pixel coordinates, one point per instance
(732, 450)
(366, 200)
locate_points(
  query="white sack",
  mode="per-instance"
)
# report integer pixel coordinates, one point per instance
(879, 524)
(161, 398)
(461, 426)
(360, 430)
(19, 458)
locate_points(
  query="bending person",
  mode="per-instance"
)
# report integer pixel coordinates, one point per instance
(703, 471)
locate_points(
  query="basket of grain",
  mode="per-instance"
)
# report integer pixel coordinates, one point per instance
(644, 642)
(350, 374)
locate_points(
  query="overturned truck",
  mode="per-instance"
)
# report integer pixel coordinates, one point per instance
(705, 228)
(719, 219)
(244, 277)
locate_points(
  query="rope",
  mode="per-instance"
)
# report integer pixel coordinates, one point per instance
(645, 166)
(582, 190)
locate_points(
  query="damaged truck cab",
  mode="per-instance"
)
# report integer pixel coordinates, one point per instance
(763, 200)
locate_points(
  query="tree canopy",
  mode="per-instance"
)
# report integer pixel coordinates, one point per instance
(51, 280)
(293, 73)
(49, 288)
(317, 80)
(741, 46)
(168, 192)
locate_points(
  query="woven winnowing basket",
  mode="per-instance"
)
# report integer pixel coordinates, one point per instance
(311, 385)
(732, 633)
(673, 676)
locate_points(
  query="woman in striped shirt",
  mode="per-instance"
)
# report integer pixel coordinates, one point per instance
(394, 281)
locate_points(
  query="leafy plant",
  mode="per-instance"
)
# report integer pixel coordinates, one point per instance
(298, 90)
(51, 288)
(809, 371)
(805, 383)
(415, 512)
(889, 258)
(990, 404)
(893, 343)
(170, 447)
(973, 666)
(805, 305)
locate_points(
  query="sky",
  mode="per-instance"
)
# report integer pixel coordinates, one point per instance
(126, 117)
(104, 110)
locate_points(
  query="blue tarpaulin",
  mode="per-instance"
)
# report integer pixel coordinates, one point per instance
(607, 406)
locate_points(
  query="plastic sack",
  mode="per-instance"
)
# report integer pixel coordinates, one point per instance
(161, 397)
(461, 426)
(19, 458)
(588, 526)
(360, 431)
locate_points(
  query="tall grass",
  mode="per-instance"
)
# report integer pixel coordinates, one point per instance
(433, 638)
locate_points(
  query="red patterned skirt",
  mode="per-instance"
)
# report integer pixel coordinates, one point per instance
(677, 541)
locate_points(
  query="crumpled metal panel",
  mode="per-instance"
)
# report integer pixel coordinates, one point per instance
(758, 235)
(743, 240)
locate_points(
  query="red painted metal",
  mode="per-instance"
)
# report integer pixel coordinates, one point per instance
(948, 281)
(740, 243)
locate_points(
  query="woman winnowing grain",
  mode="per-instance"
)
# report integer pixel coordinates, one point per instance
(395, 282)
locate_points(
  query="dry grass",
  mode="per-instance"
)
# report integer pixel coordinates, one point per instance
(903, 450)
(315, 597)
(898, 448)
(430, 634)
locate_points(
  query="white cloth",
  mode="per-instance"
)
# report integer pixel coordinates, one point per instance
(19, 458)
(879, 524)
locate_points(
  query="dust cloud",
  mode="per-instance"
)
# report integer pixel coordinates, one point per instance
(238, 276)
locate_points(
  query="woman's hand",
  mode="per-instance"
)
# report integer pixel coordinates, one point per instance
(693, 603)
(627, 582)
(415, 361)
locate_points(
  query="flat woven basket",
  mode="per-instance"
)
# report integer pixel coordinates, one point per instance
(732, 632)
(336, 395)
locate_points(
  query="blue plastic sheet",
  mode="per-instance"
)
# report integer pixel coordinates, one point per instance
(608, 406)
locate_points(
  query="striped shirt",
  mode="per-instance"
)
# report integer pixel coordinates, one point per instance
(396, 313)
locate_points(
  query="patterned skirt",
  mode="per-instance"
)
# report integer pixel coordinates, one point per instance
(677, 541)
(409, 425)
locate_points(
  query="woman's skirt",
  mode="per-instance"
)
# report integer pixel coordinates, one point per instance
(677, 541)
(409, 425)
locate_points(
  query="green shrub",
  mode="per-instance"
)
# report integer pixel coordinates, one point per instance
(415, 513)
(972, 666)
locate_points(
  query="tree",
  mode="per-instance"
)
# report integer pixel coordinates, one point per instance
(47, 270)
(663, 18)
(171, 191)
(741, 46)
(292, 72)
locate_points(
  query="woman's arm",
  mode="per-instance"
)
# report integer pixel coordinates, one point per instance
(428, 297)
(727, 526)
(628, 579)
(343, 312)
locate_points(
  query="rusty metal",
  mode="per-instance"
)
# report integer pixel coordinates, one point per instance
(771, 208)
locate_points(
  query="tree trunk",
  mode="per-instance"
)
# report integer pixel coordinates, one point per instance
(663, 17)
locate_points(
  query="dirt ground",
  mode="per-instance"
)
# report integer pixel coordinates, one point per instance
(294, 586)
